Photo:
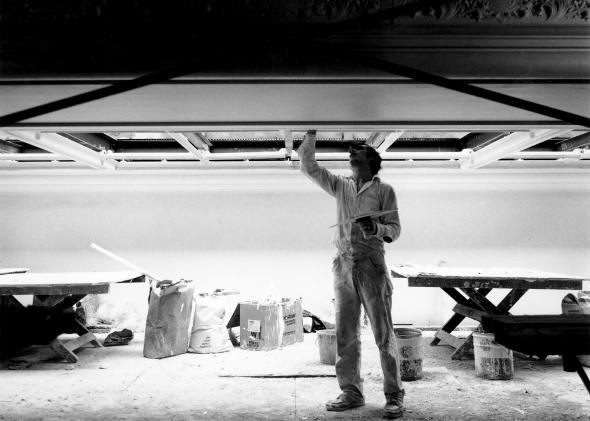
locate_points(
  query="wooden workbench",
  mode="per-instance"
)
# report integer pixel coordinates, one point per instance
(469, 287)
(54, 295)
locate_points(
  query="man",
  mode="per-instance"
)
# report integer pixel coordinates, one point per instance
(360, 273)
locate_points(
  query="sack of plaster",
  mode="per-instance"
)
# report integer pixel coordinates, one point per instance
(167, 328)
(209, 334)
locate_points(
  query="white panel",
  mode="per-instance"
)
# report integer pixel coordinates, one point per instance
(296, 104)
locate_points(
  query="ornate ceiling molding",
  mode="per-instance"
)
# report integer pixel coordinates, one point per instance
(509, 11)
(461, 38)
(292, 12)
(459, 11)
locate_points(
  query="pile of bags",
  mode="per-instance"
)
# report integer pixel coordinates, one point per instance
(179, 320)
(209, 332)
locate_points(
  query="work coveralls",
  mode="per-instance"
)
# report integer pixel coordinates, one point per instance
(360, 273)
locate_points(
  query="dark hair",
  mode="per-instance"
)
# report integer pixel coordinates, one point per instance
(374, 160)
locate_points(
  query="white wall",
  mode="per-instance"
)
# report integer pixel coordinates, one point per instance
(256, 230)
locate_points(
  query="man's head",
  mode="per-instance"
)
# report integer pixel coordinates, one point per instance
(364, 156)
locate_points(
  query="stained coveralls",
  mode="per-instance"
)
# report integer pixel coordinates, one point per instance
(360, 272)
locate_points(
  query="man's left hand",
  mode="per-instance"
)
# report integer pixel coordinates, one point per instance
(367, 225)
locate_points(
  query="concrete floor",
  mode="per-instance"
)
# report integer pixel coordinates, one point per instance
(117, 383)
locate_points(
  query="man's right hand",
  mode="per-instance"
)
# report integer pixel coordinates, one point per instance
(367, 225)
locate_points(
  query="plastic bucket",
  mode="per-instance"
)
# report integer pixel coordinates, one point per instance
(492, 360)
(327, 345)
(409, 346)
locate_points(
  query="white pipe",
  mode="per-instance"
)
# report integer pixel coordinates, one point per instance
(34, 157)
(125, 262)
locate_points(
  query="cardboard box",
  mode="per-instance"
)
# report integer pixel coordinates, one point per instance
(265, 326)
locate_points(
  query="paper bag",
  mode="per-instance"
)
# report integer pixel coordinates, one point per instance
(168, 319)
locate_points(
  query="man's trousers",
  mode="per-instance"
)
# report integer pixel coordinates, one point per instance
(363, 280)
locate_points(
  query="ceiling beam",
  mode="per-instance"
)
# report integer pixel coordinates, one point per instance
(199, 140)
(476, 141)
(376, 139)
(33, 156)
(288, 136)
(186, 144)
(577, 142)
(388, 141)
(7, 147)
(383, 140)
(57, 144)
(96, 141)
(368, 60)
(507, 145)
(337, 156)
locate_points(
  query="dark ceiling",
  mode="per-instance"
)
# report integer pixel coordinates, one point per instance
(535, 49)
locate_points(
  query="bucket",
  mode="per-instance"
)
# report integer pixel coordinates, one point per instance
(492, 360)
(409, 346)
(327, 345)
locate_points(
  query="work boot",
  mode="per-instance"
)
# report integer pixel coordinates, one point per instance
(394, 407)
(344, 402)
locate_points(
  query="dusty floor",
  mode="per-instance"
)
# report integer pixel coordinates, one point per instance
(118, 383)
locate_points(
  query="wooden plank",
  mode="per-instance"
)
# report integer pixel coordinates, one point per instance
(454, 321)
(47, 300)
(489, 282)
(449, 339)
(455, 295)
(6, 271)
(470, 312)
(511, 299)
(55, 289)
(82, 330)
(69, 301)
(67, 283)
(465, 351)
(481, 301)
(60, 348)
(66, 349)
(472, 277)
(80, 341)
(479, 272)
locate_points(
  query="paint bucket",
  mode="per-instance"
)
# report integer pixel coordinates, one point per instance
(492, 360)
(327, 344)
(409, 346)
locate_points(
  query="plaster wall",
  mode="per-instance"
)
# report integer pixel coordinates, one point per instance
(267, 233)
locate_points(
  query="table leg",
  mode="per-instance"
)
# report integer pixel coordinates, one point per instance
(456, 319)
(66, 348)
(59, 302)
(59, 316)
(571, 364)
(511, 299)
(466, 349)
(10, 307)
(481, 301)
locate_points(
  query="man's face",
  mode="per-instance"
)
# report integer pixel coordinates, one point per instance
(358, 156)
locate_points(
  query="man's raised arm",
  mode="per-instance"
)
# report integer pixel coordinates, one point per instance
(310, 167)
